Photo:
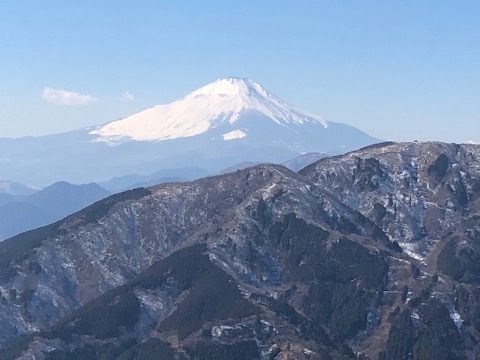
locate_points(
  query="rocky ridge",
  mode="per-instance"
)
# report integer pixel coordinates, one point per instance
(326, 263)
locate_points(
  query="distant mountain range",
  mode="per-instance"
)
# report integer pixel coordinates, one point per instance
(21, 213)
(132, 181)
(14, 188)
(127, 182)
(24, 207)
(226, 122)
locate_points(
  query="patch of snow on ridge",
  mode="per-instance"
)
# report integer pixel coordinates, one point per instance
(411, 249)
(455, 316)
(222, 101)
(235, 134)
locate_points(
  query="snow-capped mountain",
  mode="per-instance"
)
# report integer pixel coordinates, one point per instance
(226, 122)
(224, 101)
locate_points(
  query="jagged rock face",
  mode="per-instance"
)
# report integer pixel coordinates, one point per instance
(418, 193)
(308, 262)
(71, 268)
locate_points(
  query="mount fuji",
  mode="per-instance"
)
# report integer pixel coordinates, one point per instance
(225, 122)
(228, 103)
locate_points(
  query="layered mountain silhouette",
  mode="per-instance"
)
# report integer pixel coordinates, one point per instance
(15, 189)
(22, 213)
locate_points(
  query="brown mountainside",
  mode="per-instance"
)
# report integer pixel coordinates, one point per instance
(368, 255)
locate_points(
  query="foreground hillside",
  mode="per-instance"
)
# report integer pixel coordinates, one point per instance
(373, 254)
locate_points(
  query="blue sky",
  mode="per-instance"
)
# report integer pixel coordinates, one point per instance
(399, 70)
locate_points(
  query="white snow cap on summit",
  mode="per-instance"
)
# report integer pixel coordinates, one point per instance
(222, 101)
